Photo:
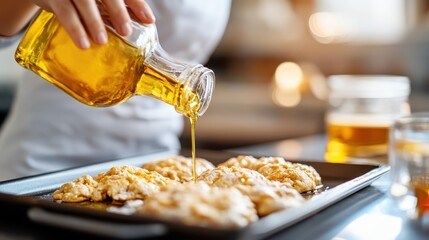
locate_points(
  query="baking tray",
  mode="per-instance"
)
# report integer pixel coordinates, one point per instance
(32, 197)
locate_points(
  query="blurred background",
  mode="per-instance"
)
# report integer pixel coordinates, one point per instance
(272, 63)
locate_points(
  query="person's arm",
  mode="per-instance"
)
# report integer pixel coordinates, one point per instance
(15, 15)
(80, 18)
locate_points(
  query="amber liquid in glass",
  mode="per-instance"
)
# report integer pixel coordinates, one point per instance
(421, 191)
(103, 75)
(356, 140)
(415, 155)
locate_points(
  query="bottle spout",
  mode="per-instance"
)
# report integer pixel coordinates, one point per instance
(198, 86)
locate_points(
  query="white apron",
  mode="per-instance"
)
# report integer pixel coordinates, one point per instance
(47, 130)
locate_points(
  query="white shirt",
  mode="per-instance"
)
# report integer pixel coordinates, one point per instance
(47, 130)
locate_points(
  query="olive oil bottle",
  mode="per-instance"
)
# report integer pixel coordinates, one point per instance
(109, 74)
(106, 75)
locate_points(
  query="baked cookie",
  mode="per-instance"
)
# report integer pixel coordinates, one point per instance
(128, 183)
(244, 161)
(267, 196)
(79, 190)
(178, 168)
(250, 162)
(223, 176)
(310, 171)
(262, 161)
(301, 177)
(269, 199)
(199, 204)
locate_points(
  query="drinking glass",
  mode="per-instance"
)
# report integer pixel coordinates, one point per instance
(409, 161)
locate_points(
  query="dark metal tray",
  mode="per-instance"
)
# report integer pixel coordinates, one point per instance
(31, 196)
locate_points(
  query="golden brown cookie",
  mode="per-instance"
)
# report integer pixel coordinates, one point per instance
(128, 183)
(310, 171)
(250, 162)
(244, 161)
(222, 176)
(299, 176)
(79, 190)
(267, 196)
(199, 204)
(269, 199)
(262, 161)
(178, 168)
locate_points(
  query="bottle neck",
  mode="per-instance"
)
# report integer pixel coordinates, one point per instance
(188, 88)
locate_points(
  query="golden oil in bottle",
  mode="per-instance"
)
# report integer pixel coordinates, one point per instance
(106, 75)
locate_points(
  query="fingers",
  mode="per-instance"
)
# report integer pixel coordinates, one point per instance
(82, 19)
(141, 10)
(90, 15)
(68, 16)
(119, 16)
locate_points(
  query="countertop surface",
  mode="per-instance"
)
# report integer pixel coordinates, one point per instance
(366, 214)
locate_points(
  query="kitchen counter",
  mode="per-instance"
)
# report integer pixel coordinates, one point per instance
(367, 214)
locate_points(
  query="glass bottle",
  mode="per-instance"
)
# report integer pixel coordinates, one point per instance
(106, 75)
(360, 113)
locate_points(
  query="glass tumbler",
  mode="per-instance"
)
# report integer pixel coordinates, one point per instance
(409, 161)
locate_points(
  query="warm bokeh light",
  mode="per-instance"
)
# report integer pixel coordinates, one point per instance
(286, 98)
(291, 80)
(288, 76)
(328, 27)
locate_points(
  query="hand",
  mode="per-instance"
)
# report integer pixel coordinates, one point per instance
(81, 18)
